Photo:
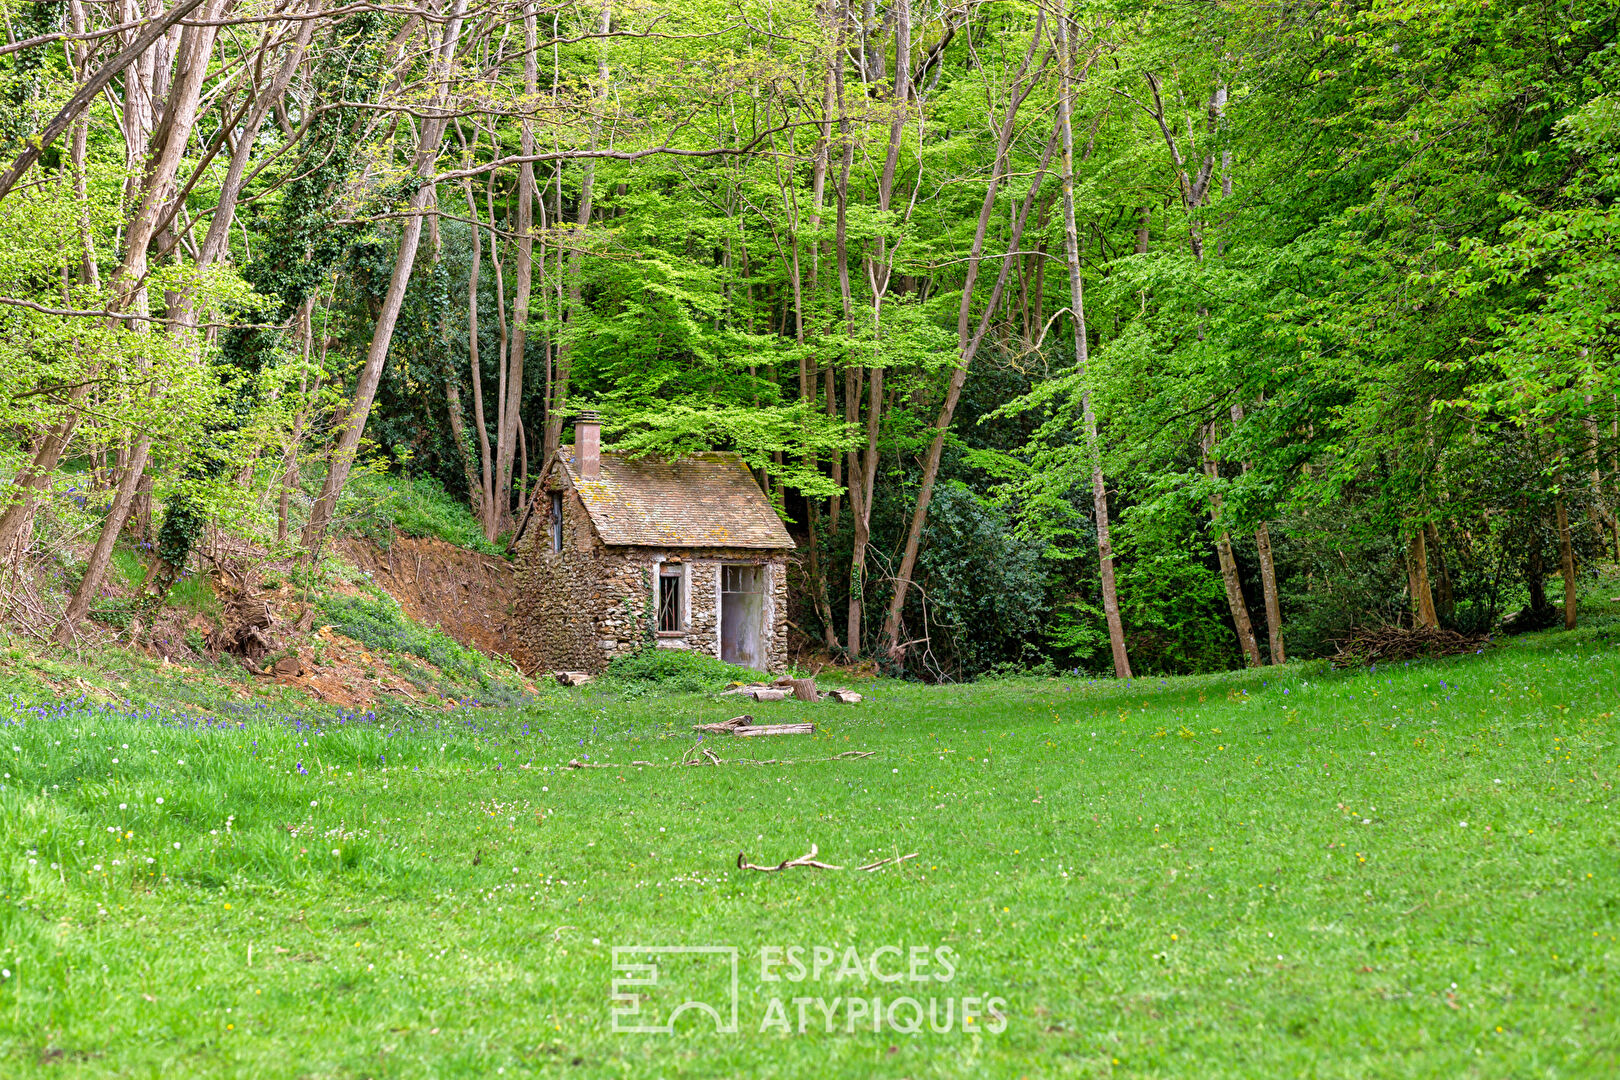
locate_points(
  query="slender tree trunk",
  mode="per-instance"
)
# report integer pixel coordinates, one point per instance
(1268, 573)
(1082, 360)
(483, 495)
(808, 373)
(1566, 559)
(342, 456)
(878, 272)
(89, 274)
(123, 501)
(968, 340)
(565, 348)
(1268, 583)
(1223, 551)
(492, 513)
(506, 440)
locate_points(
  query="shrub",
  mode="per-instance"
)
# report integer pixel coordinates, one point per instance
(114, 611)
(675, 670)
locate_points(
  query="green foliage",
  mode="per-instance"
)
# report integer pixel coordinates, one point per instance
(195, 593)
(376, 505)
(674, 671)
(982, 588)
(128, 566)
(117, 612)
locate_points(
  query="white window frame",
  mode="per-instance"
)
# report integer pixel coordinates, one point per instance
(679, 571)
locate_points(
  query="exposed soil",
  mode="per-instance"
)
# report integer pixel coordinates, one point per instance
(469, 596)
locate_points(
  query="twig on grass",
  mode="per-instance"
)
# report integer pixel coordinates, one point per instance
(869, 867)
(690, 758)
(802, 860)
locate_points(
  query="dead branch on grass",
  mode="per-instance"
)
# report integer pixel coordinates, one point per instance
(802, 860)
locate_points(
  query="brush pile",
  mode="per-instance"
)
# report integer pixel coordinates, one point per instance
(1384, 644)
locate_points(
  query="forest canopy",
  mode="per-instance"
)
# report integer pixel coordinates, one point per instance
(1111, 336)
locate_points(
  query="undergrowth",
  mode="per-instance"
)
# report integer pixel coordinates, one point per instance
(672, 670)
(377, 505)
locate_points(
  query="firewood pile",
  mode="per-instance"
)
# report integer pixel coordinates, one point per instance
(1384, 644)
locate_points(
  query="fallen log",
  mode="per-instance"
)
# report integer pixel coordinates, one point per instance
(775, 729)
(725, 725)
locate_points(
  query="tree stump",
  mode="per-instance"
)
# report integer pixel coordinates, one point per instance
(804, 689)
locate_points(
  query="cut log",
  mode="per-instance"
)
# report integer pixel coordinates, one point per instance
(776, 729)
(573, 678)
(843, 697)
(726, 725)
(767, 693)
(804, 689)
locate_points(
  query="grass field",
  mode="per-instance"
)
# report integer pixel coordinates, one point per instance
(1409, 871)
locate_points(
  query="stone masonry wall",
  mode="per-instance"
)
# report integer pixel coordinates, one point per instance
(579, 607)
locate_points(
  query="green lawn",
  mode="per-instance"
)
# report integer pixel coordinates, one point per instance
(1408, 872)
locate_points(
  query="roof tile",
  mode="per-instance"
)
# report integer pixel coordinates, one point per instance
(702, 500)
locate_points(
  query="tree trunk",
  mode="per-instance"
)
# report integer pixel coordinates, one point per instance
(506, 439)
(878, 271)
(1082, 361)
(1417, 559)
(1566, 559)
(342, 456)
(1268, 582)
(968, 340)
(1268, 569)
(565, 348)
(123, 501)
(1223, 551)
(483, 495)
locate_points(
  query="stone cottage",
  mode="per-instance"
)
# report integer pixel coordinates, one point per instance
(621, 552)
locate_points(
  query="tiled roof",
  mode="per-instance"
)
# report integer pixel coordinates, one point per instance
(702, 500)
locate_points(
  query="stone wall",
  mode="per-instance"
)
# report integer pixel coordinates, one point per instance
(580, 607)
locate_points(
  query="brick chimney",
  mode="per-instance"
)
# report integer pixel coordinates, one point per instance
(588, 444)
